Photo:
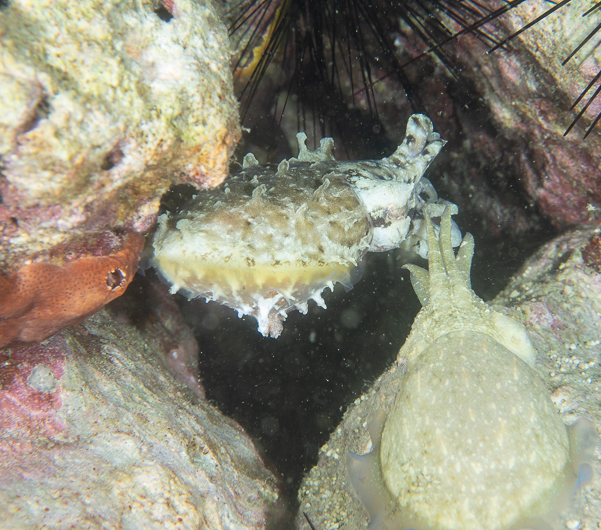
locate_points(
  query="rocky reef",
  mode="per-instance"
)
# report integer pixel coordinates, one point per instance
(529, 93)
(104, 426)
(104, 106)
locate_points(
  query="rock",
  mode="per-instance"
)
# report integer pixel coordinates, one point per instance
(506, 115)
(103, 106)
(529, 94)
(96, 433)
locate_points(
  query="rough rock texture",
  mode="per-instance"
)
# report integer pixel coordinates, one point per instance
(104, 105)
(529, 94)
(506, 115)
(557, 296)
(96, 433)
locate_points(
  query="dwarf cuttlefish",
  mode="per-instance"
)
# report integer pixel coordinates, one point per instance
(472, 440)
(269, 239)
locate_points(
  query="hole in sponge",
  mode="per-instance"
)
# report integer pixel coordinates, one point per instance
(115, 279)
(40, 112)
(113, 158)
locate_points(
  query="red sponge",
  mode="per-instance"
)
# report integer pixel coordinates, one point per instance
(42, 298)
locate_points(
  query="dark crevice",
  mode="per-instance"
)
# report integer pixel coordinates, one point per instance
(176, 196)
(112, 159)
(40, 112)
(163, 13)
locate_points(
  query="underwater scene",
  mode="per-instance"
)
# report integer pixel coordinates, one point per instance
(300, 264)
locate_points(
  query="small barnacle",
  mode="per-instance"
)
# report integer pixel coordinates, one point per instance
(591, 253)
(115, 279)
(283, 167)
(249, 161)
(289, 233)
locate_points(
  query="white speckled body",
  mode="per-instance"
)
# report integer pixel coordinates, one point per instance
(473, 440)
(269, 240)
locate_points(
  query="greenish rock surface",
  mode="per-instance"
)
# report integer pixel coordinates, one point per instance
(105, 105)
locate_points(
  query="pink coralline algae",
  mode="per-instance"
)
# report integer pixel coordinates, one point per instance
(96, 433)
(529, 93)
(508, 114)
(30, 396)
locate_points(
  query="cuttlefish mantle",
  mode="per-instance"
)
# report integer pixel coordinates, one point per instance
(270, 239)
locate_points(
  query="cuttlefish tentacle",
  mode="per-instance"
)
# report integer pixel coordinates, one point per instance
(472, 439)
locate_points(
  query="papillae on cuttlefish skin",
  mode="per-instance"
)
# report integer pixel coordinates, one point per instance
(270, 239)
(472, 440)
